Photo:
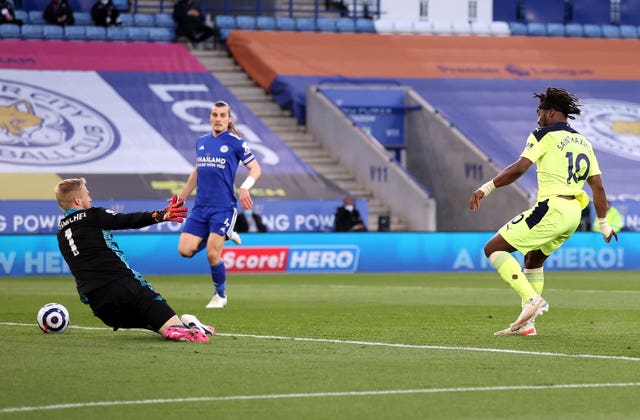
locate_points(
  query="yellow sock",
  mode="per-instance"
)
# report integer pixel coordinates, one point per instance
(536, 278)
(511, 272)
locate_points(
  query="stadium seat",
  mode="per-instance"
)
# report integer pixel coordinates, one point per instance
(285, 23)
(499, 28)
(225, 22)
(536, 29)
(517, 28)
(442, 28)
(137, 34)
(23, 15)
(54, 32)
(325, 24)
(9, 31)
(461, 28)
(365, 26)
(126, 19)
(574, 30)
(143, 19)
(75, 33)
(628, 32)
(555, 29)
(117, 33)
(481, 28)
(31, 31)
(422, 27)
(162, 35)
(403, 27)
(305, 24)
(83, 18)
(266, 23)
(122, 5)
(345, 25)
(164, 20)
(592, 30)
(383, 26)
(96, 33)
(246, 23)
(610, 31)
(36, 18)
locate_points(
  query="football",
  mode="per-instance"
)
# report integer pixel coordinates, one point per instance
(53, 318)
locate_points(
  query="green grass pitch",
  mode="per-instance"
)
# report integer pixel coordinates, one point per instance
(357, 346)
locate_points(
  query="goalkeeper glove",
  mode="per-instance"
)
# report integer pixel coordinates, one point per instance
(174, 212)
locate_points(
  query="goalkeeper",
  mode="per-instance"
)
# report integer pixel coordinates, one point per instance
(565, 160)
(116, 293)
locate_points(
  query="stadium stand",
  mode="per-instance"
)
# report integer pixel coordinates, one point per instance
(266, 23)
(52, 32)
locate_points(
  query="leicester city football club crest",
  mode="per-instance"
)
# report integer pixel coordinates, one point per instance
(44, 128)
(224, 148)
(612, 126)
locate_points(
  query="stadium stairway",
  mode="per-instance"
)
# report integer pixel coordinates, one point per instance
(228, 72)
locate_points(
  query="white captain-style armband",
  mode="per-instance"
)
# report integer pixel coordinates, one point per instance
(248, 183)
(487, 187)
(604, 227)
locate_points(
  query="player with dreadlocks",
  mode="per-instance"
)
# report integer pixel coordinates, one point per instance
(565, 159)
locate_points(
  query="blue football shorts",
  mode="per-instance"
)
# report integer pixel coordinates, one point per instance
(205, 220)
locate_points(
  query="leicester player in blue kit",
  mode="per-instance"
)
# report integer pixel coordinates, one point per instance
(212, 219)
(565, 160)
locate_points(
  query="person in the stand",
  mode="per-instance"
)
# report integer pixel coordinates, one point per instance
(8, 14)
(249, 222)
(190, 21)
(105, 13)
(58, 12)
(348, 219)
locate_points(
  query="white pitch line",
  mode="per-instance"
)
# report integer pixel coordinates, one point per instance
(397, 345)
(316, 395)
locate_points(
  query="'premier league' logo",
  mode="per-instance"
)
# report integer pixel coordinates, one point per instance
(44, 128)
(611, 126)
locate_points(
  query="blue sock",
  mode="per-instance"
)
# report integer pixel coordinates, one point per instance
(219, 276)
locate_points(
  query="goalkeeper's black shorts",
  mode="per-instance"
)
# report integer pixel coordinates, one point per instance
(130, 303)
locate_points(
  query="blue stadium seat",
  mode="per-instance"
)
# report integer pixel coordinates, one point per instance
(247, 23)
(305, 24)
(143, 19)
(52, 32)
(555, 29)
(122, 5)
(23, 15)
(266, 23)
(574, 30)
(83, 18)
(31, 31)
(610, 31)
(517, 28)
(75, 33)
(126, 19)
(536, 29)
(96, 33)
(365, 26)
(164, 20)
(162, 35)
(137, 34)
(628, 32)
(285, 23)
(225, 22)
(9, 31)
(36, 18)
(345, 25)
(592, 30)
(117, 33)
(325, 24)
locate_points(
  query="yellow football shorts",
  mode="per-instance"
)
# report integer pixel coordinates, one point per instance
(545, 226)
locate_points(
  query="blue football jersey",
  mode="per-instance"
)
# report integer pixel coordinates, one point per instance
(218, 159)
